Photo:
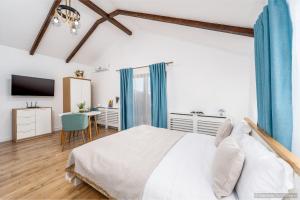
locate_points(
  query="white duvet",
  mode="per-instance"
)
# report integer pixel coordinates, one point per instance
(184, 173)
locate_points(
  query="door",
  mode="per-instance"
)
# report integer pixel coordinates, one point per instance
(43, 121)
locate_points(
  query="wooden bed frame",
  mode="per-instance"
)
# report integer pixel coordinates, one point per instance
(276, 147)
(261, 135)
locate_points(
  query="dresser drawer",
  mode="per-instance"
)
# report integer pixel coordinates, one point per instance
(28, 113)
(25, 120)
(26, 134)
(25, 127)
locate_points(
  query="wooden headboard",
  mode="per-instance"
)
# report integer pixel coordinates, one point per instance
(278, 148)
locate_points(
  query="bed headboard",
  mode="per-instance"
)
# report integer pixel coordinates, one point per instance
(279, 149)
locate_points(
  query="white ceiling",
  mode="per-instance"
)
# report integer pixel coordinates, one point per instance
(20, 21)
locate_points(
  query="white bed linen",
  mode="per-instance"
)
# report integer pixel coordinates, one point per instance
(185, 172)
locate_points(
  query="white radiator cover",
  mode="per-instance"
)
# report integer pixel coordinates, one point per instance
(109, 117)
(194, 123)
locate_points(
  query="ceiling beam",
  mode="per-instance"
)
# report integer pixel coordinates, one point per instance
(84, 39)
(186, 22)
(106, 16)
(44, 27)
(179, 21)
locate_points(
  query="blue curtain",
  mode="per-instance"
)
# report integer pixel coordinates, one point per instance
(126, 98)
(158, 75)
(273, 60)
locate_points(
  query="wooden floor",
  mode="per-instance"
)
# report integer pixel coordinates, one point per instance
(34, 169)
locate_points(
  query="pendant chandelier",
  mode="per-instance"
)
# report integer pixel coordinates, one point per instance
(68, 15)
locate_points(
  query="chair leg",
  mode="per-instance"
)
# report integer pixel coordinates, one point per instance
(70, 137)
(61, 137)
(63, 140)
(83, 136)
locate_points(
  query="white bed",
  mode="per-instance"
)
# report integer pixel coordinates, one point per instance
(173, 165)
(184, 173)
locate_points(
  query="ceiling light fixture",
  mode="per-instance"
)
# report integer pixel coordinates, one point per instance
(67, 14)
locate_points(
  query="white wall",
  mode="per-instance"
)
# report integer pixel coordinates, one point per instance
(203, 77)
(19, 62)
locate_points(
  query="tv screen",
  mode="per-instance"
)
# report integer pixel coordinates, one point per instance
(30, 86)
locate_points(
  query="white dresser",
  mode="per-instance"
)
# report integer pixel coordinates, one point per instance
(31, 122)
(193, 123)
(109, 117)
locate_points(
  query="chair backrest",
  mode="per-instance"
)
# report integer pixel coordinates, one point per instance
(74, 122)
(94, 109)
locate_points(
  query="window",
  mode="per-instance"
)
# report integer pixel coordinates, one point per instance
(141, 99)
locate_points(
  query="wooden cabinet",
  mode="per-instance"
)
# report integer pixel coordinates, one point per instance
(27, 123)
(76, 91)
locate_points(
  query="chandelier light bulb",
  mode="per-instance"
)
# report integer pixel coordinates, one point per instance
(55, 21)
(77, 24)
(74, 30)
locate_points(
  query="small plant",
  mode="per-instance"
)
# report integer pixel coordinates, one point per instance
(81, 106)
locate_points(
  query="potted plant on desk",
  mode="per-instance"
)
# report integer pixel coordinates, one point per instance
(81, 107)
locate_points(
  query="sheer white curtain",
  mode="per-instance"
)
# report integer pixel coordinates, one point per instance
(141, 99)
(295, 15)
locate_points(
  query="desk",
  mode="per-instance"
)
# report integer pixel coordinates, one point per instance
(90, 114)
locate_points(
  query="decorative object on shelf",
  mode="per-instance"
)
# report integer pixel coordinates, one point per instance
(79, 73)
(81, 107)
(221, 112)
(117, 100)
(69, 15)
(110, 103)
(31, 105)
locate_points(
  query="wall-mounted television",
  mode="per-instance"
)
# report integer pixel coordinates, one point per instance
(31, 86)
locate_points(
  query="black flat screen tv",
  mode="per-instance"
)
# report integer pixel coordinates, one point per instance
(31, 86)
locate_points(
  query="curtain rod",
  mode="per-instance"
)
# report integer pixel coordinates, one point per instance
(167, 63)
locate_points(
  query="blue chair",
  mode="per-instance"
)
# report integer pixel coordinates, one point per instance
(72, 123)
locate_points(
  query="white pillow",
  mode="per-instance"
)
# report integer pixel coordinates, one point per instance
(223, 132)
(263, 171)
(241, 128)
(226, 167)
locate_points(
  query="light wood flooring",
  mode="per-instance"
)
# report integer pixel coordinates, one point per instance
(34, 169)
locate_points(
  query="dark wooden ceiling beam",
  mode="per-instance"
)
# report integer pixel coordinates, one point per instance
(85, 38)
(44, 27)
(106, 16)
(186, 22)
(179, 21)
